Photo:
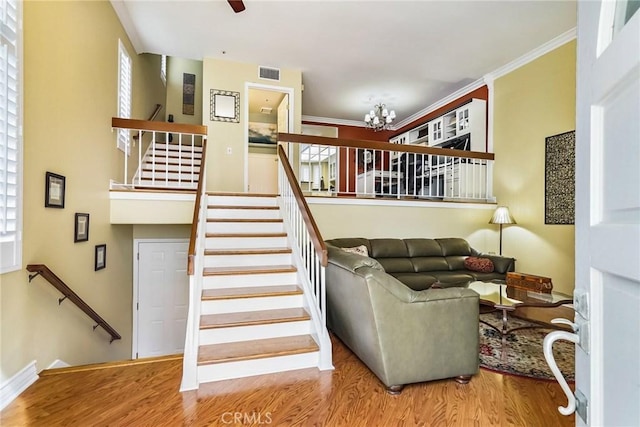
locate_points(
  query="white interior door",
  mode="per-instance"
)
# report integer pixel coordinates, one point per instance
(162, 297)
(608, 211)
(263, 176)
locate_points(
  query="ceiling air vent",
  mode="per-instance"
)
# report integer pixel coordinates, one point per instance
(266, 110)
(269, 73)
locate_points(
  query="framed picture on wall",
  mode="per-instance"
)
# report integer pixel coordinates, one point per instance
(81, 229)
(263, 133)
(54, 189)
(100, 257)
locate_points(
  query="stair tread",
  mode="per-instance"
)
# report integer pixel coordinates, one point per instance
(244, 220)
(248, 251)
(250, 292)
(222, 271)
(243, 207)
(256, 349)
(261, 317)
(218, 235)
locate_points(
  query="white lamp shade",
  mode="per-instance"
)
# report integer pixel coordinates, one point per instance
(388, 119)
(392, 114)
(372, 113)
(502, 216)
(376, 120)
(367, 118)
(385, 112)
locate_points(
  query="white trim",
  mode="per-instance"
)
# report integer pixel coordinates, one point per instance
(394, 202)
(134, 330)
(18, 383)
(490, 110)
(138, 195)
(56, 364)
(536, 53)
(441, 103)
(252, 85)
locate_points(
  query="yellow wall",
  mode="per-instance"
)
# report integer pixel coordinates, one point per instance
(70, 95)
(227, 171)
(532, 103)
(470, 222)
(176, 67)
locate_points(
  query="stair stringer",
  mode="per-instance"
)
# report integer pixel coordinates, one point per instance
(320, 333)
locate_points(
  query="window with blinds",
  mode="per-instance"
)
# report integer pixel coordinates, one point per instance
(124, 94)
(163, 69)
(10, 137)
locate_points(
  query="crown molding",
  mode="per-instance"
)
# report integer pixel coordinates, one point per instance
(536, 53)
(332, 121)
(441, 103)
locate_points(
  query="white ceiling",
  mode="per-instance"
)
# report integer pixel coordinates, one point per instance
(352, 54)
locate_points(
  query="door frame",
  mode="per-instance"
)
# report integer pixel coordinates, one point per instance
(136, 287)
(251, 85)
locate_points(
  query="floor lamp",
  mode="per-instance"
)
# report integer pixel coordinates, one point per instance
(502, 216)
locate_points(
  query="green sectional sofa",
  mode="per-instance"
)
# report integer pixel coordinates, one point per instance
(401, 328)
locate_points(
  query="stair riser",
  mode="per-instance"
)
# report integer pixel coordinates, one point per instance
(238, 305)
(162, 184)
(174, 147)
(184, 176)
(254, 332)
(245, 227)
(244, 213)
(243, 280)
(242, 201)
(161, 159)
(247, 260)
(163, 167)
(247, 368)
(246, 242)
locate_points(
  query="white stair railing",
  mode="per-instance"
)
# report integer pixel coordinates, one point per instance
(169, 155)
(310, 251)
(195, 268)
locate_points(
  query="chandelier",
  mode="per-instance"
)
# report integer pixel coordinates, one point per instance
(379, 118)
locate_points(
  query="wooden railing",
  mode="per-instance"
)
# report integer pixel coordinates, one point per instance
(151, 118)
(197, 211)
(381, 169)
(46, 273)
(305, 212)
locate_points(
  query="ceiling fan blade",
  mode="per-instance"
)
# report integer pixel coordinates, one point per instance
(236, 5)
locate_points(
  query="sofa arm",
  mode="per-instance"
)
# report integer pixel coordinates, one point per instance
(408, 295)
(351, 261)
(501, 264)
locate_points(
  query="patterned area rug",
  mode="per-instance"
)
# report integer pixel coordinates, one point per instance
(524, 356)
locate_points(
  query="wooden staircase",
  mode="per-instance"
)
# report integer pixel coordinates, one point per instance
(253, 318)
(172, 166)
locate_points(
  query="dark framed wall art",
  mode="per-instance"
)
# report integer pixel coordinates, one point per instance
(188, 93)
(560, 178)
(100, 257)
(81, 228)
(54, 190)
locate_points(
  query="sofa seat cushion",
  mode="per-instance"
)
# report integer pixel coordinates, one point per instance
(396, 265)
(486, 277)
(416, 281)
(434, 263)
(461, 277)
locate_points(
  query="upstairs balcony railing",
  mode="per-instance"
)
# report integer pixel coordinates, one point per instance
(359, 168)
(160, 155)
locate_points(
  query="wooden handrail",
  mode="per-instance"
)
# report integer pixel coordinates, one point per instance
(152, 117)
(312, 227)
(196, 210)
(146, 125)
(46, 273)
(378, 145)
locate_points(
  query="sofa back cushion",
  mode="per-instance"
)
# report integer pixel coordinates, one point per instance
(432, 263)
(454, 246)
(392, 254)
(423, 247)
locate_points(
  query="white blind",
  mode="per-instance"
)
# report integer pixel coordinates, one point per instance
(124, 93)
(163, 69)
(10, 137)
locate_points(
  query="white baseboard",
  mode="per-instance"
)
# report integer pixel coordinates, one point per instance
(17, 384)
(58, 364)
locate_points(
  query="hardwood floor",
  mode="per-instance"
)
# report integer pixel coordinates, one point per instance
(146, 394)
